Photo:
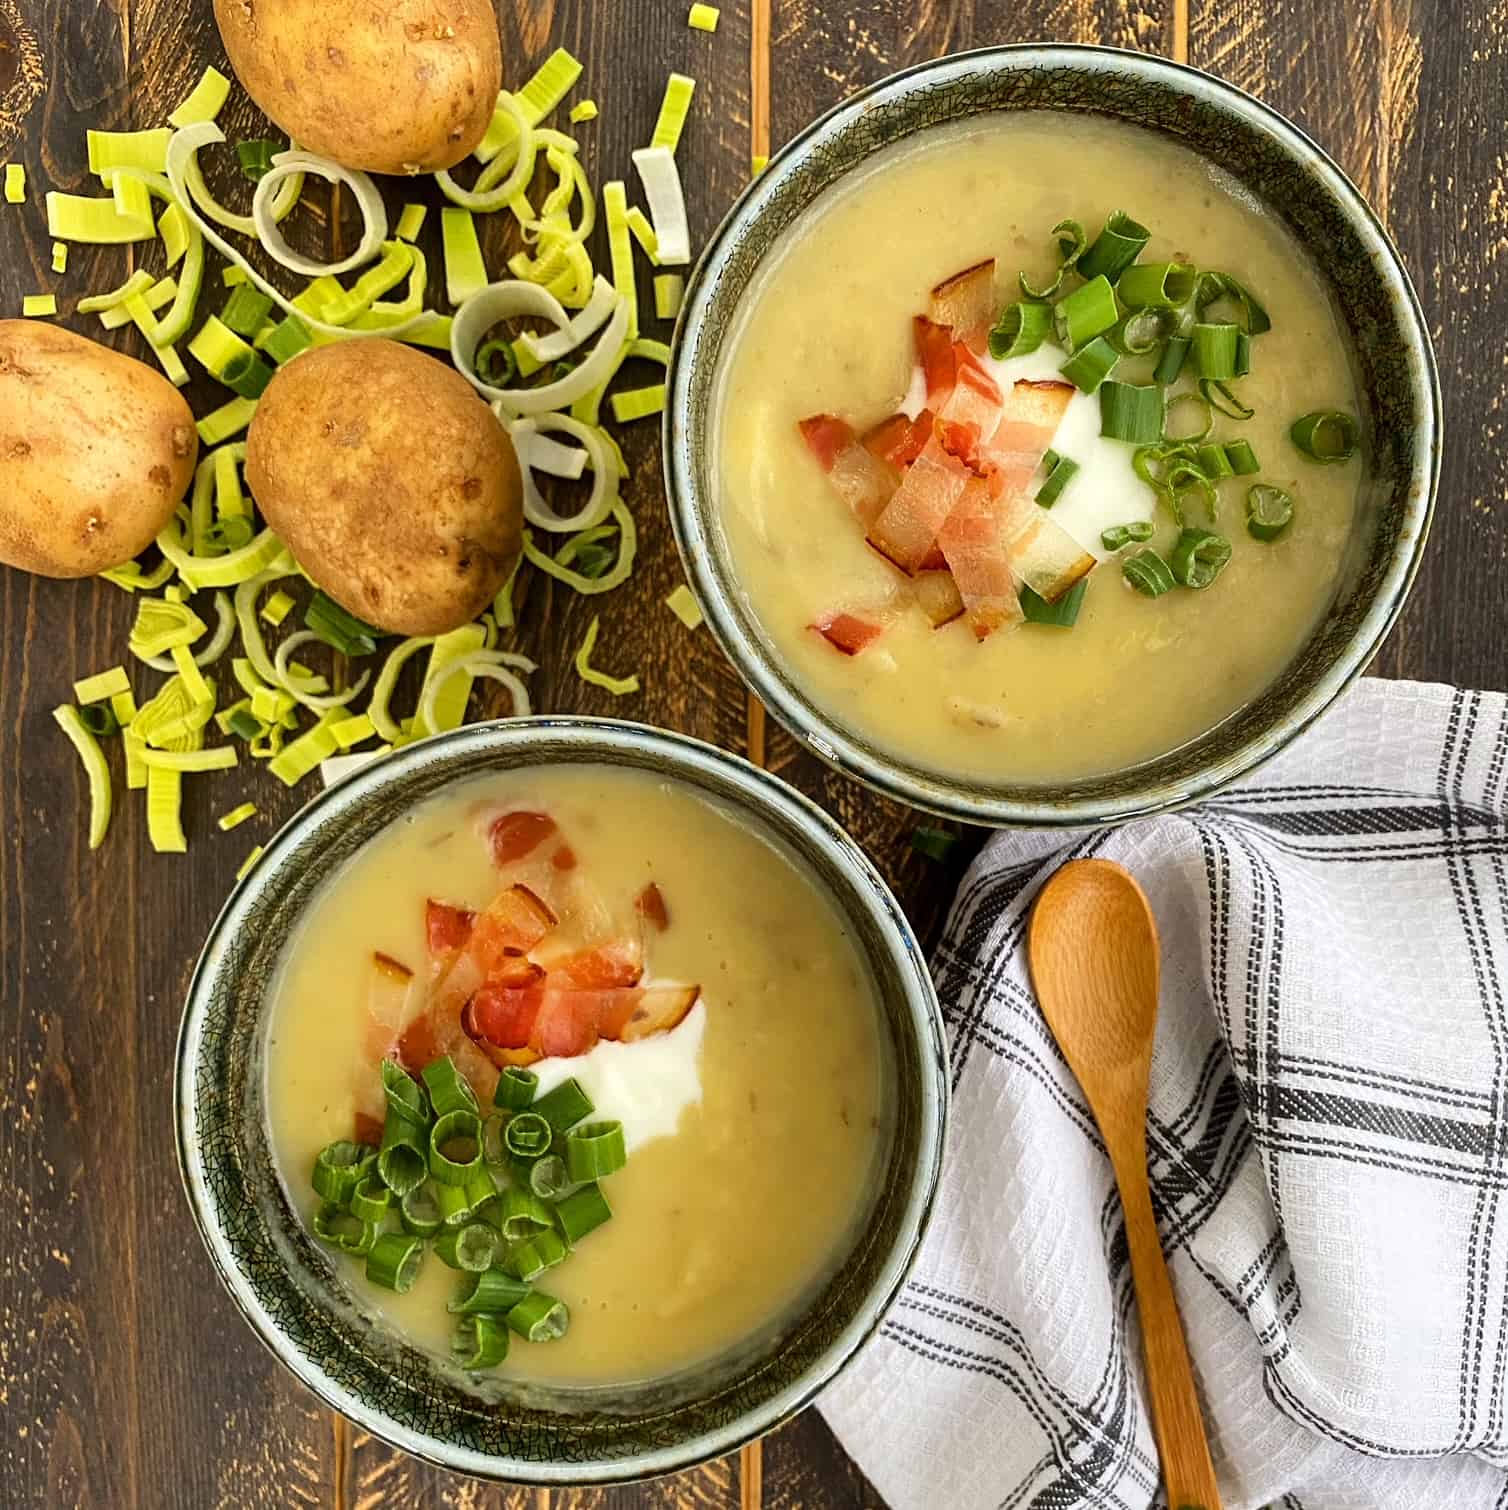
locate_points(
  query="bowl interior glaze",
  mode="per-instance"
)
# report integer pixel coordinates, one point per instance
(1298, 184)
(285, 1282)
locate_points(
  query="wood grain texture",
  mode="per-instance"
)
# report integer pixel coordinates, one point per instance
(126, 1379)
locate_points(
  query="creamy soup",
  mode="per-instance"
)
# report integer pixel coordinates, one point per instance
(829, 332)
(752, 1121)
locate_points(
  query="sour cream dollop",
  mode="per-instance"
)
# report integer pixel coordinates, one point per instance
(644, 1085)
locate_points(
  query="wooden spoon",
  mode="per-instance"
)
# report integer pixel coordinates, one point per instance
(1094, 961)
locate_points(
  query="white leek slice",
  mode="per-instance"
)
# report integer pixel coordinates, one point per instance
(494, 664)
(546, 455)
(282, 205)
(667, 204)
(337, 767)
(559, 343)
(303, 690)
(616, 576)
(516, 159)
(507, 300)
(368, 197)
(525, 432)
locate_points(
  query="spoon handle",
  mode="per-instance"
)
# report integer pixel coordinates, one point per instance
(1176, 1421)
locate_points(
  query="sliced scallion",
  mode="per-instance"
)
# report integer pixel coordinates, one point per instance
(540, 1318)
(489, 1293)
(1133, 532)
(471, 1248)
(1116, 247)
(1269, 511)
(1219, 396)
(516, 1088)
(1085, 313)
(1020, 330)
(562, 1107)
(1328, 436)
(449, 1090)
(480, 1342)
(343, 631)
(1060, 472)
(527, 1134)
(1215, 350)
(1148, 573)
(1198, 557)
(582, 1211)
(1071, 244)
(1088, 367)
(455, 1147)
(335, 1225)
(595, 1150)
(337, 1170)
(1140, 331)
(548, 1177)
(394, 1261)
(1201, 407)
(1170, 363)
(255, 157)
(371, 1200)
(419, 1211)
(401, 1157)
(454, 1205)
(1157, 285)
(1062, 613)
(1130, 412)
(1243, 460)
(1213, 461)
(1216, 287)
(523, 1214)
(536, 1254)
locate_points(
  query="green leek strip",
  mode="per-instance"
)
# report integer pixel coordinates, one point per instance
(1328, 436)
(305, 753)
(540, 1317)
(37, 305)
(289, 337)
(232, 277)
(555, 79)
(621, 251)
(137, 283)
(589, 586)
(674, 108)
(229, 419)
(389, 271)
(109, 150)
(95, 769)
(1131, 413)
(271, 705)
(619, 686)
(102, 685)
(236, 817)
(222, 758)
(75, 217)
(1061, 613)
(1115, 248)
(174, 325)
(1021, 329)
(60, 256)
(164, 811)
(583, 110)
(465, 271)
(1084, 314)
(1071, 244)
(670, 290)
(638, 403)
(595, 1150)
(448, 710)
(161, 293)
(411, 222)
(15, 183)
(204, 101)
(644, 233)
(160, 625)
(229, 570)
(682, 603)
(249, 864)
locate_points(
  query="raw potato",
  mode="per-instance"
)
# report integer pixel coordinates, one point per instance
(392, 483)
(405, 86)
(96, 450)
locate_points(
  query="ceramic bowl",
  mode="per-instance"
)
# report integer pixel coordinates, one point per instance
(1299, 184)
(287, 1285)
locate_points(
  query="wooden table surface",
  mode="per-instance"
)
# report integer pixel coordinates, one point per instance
(126, 1378)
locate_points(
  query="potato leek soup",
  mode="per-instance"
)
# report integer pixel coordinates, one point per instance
(1035, 449)
(573, 1056)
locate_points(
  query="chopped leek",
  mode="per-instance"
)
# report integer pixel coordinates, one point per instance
(236, 817)
(248, 863)
(33, 305)
(95, 768)
(674, 108)
(583, 110)
(222, 758)
(277, 608)
(109, 150)
(161, 293)
(444, 707)
(15, 183)
(621, 251)
(682, 603)
(638, 403)
(703, 17)
(104, 684)
(465, 271)
(204, 100)
(411, 222)
(758, 163)
(160, 625)
(76, 217)
(670, 289)
(352, 731)
(667, 205)
(137, 283)
(555, 79)
(60, 256)
(229, 419)
(165, 810)
(305, 753)
(644, 233)
(619, 686)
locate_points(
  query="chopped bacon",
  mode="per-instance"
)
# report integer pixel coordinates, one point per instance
(659, 1009)
(973, 541)
(906, 530)
(976, 400)
(1028, 419)
(515, 835)
(515, 920)
(899, 439)
(564, 858)
(848, 632)
(939, 361)
(960, 440)
(387, 997)
(650, 905)
(607, 965)
(826, 436)
(937, 594)
(503, 1011)
(368, 1129)
(856, 474)
(419, 1043)
(1043, 554)
(966, 303)
(446, 927)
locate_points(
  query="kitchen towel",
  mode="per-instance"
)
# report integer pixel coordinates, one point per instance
(1328, 1139)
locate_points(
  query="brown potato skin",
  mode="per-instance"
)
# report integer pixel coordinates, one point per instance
(392, 483)
(404, 86)
(96, 450)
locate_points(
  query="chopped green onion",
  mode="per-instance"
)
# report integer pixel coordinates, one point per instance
(673, 111)
(245, 310)
(1115, 248)
(1088, 367)
(15, 183)
(1138, 332)
(1134, 532)
(256, 157)
(1183, 474)
(1328, 436)
(1071, 244)
(562, 1107)
(1085, 313)
(1215, 350)
(204, 101)
(371, 1200)
(583, 1211)
(411, 222)
(1148, 573)
(1198, 558)
(1131, 413)
(1062, 613)
(516, 1088)
(455, 1147)
(490, 1293)
(394, 1261)
(419, 1211)
(1217, 395)
(1243, 460)
(289, 337)
(449, 1090)
(1170, 363)
(595, 1150)
(619, 686)
(528, 1134)
(1213, 287)
(548, 1177)
(334, 1224)
(536, 1254)
(479, 1342)
(702, 17)
(1213, 461)
(1060, 471)
(935, 843)
(401, 1156)
(35, 306)
(496, 363)
(638, 403)
(1020, 330)
(471, 1248)
(1243, 353)
(1206, 418)
(540, 1318)
(338, 1168)
(1269, 511)
(102, 685)
(1157, 285)
(326, 619)
(670, 289)
(454, 1205)
(523, 1214)
(100, 720)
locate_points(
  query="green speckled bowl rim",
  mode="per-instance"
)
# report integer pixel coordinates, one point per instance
(1299, 696)
(877, 920)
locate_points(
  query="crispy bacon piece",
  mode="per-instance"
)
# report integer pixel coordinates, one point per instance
(606, 965)
(966, 303)
(848, 632)
(564, 858)
(856, 474)
(504, 1009)
(367, 1129)
(1029, 418)
(899, 439)
(515, 835)
(1042, 553)
(419, 1042)
(446, 927)
(976, 401)
(650, 905)
(906, 530)
(658, 1010)
(974, 542)
(938, 596)
(939, 361)
(387, 997)
(515, 920)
